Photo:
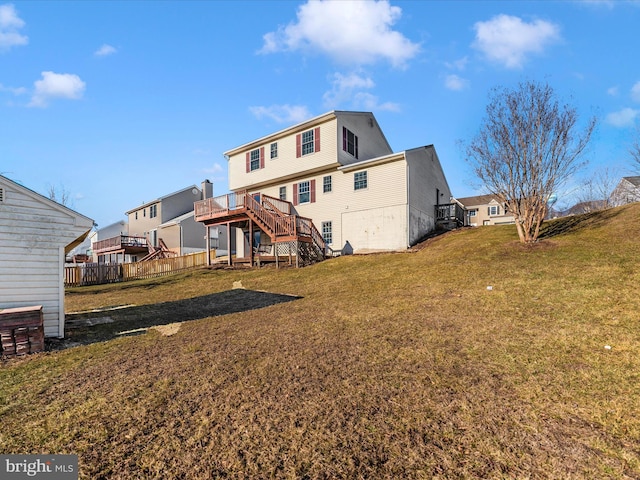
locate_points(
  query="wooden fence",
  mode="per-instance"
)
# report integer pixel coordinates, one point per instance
(99, 273)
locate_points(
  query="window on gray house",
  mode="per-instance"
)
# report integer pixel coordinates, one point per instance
(349, 142)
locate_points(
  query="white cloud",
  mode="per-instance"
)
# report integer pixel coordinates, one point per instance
(16, 91)
(282, 113)
(623, 118)
(351, 89)
(459, 64)
(215, 169)
(613, 91)
(635, 92)
(56, 85)
(105, 50)
(10, 23)
(509, 40)
(456, 83)
(350, 32)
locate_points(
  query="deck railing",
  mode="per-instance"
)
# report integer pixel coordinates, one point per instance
(450, 212)
(219, 205)
(279, 207)
(121, 241)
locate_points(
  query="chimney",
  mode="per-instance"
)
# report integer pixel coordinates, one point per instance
(207, 189)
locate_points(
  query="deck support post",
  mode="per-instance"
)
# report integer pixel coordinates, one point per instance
(275, 252)
(208, 243)
(251, 242)
(297, 254)
(229, 261)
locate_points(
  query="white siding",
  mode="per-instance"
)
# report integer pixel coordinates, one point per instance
(383, 202)
(286, 163)
(33, 234)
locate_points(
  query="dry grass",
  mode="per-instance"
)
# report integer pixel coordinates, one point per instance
(387, 366)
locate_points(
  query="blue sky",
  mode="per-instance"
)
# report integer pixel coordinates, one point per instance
(119, 103)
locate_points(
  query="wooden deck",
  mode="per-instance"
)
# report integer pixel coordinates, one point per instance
(121, 243)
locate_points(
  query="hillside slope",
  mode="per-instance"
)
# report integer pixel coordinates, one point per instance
(474, 357)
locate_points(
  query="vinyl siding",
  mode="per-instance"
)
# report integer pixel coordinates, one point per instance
(286, 164)
(33, 234)
(426, 183)
(383, 202)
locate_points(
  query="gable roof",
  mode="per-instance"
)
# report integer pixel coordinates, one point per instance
(478, 200)
(305, 125)
(633, 180)
(79, 219)
(159, 199)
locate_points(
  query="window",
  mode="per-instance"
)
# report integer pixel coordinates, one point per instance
(153, 211)
(136, 215)
(494, 210)
(473, 213)
(283, 193)
(255, 160)
(349, 142)
(144, 212)
(304, 192)
(327, 233)
(360, 180)
(1, 195)
(274, 150)
(326, 184)
(307, 142)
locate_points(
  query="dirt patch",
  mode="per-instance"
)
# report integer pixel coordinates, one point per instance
(168, 330)
(84, 327)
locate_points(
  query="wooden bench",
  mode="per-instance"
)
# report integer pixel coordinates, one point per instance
(21, 331)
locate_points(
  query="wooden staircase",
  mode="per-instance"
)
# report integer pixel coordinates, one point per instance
(162, 251)
(289, 233)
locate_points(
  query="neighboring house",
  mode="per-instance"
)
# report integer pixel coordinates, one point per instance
(627, 191)
(35, 235)
(485, 210)
(586, 207)
(332, 183)
(162, 226)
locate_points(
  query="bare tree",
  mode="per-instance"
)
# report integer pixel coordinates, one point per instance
(634, 151)
(596, 190)
(527, 147)
(59, 194)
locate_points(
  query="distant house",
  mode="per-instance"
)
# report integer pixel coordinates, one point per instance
(485, 210)
(329, 183)
(35, 235)
(627, 191)
(164, 225)
(586, 207)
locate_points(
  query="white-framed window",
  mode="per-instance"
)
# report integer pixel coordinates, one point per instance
(274, 150)
(283, 193)
(153, 211)
(308, 142)
(349, 142)
(327, 233)
(255, 159)
(360, 180)
(326, 184)
(304, 192)
(473, 213)
(494, 210)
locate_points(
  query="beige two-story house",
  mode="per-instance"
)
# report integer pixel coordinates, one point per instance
(337, 174)
(485, 210)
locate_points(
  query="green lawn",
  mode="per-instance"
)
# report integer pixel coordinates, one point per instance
(387, 366)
